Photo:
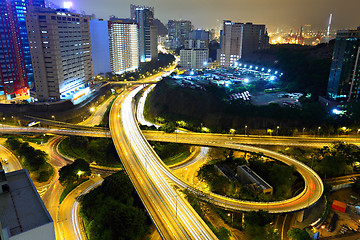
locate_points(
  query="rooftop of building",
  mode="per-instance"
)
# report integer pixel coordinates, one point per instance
(21, 209)
(256, 178)
(122, 20)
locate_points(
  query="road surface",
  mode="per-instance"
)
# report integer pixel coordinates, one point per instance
(13, 162)
(172, 215)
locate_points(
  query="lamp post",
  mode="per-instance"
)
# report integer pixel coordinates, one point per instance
(277, 131)
(245, 129)
(232, 218)
(303, 131)
(53, 117)
(319, 131)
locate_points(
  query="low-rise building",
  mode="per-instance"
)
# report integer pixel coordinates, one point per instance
(194, 58)
(254, 181)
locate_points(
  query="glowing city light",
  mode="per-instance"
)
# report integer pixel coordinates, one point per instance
(68, 5)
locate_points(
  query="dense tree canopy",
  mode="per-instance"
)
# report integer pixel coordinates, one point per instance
(70, 173)
(114, 210)
(298, 234)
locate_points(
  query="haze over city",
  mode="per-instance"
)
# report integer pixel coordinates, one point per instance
(205, 13)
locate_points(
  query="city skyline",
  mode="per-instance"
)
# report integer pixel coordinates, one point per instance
(210, 14)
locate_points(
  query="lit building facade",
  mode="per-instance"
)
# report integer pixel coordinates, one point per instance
(200, 35)
(16, 68)
(133, 8)
(239, 40)
(194, 58)
(60, 49)
(124, 52)
(344, 79)
(100, 48)
(178, 32)
(144, 17)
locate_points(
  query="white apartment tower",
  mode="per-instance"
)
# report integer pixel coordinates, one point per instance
(194, 58)
(124, 52)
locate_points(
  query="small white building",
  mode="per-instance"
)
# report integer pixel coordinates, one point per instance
(23, 215)
(194, 58)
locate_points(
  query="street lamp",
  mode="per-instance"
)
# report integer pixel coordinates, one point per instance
(245, 129)
(358, 131)
(92, 109)
(232, 218)
(277, 130)
(319, 131)
(53, 117)
(303, 131)
(79, 173)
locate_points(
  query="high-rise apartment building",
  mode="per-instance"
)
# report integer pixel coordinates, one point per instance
(124, 52)
(200, 35)
(195, 54)
(144, 17)
(239, 40)
(344, 79)
(16, 68)
(178, 32)
(60, 49)
(133, 8)
(100, 49)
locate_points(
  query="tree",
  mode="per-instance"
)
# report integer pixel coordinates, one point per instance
(223, 233)
(13, 143)
(258, 218)
(257, 226)
(169, 127)
(79, 141)
(298, 234)
(229, 155)
(70, 173)
(110, 210)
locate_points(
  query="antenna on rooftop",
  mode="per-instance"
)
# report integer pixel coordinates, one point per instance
(328, 29)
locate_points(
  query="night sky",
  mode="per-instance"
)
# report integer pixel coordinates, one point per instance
(205, 13)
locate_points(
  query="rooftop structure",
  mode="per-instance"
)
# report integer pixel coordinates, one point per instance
(23, 215)
(248, 176)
